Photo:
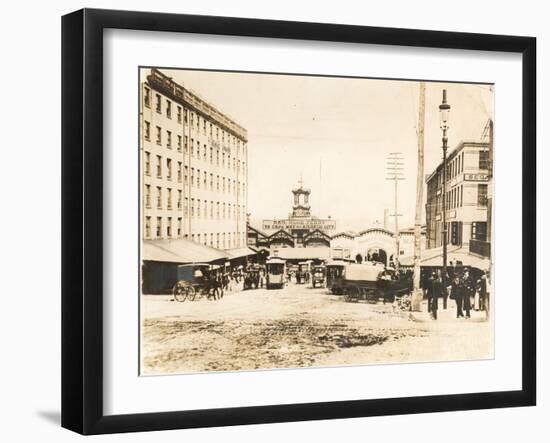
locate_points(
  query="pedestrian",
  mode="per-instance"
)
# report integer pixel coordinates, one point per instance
(437, 291)
(226, 281)
(457, 291)
(429, 290)
(446, 290)
(482, 290)
(261, 275)
(469, 289)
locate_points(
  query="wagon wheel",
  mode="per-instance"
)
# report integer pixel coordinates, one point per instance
(180, 292)
(352, 294)
(191, 293)
(347, 295)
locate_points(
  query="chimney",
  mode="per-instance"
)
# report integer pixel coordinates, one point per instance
(386, 218)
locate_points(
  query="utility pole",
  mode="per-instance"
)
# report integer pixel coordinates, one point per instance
(417, 291)
(444, 111)
(394, 168)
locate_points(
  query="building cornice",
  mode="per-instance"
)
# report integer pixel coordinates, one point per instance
(164, 84)
(463, 144)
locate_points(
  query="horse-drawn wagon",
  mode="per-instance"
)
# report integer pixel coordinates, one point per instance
(198, 279)
(372, 282)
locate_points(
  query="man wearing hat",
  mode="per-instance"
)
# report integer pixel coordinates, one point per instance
(469, 290)
(437, 291)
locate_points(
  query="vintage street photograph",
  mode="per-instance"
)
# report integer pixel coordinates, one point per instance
(295, 221)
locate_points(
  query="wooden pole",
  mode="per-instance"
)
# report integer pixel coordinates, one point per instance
(417, 295)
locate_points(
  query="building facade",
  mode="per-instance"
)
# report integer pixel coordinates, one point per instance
(376, 243)
(467, 191)
(300, 229)
(194, 163)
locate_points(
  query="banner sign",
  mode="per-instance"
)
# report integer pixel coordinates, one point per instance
(296, 223)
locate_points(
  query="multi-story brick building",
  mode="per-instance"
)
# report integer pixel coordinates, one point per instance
(466, 200)
(194, 162)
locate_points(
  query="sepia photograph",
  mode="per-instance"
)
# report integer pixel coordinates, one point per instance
(297, 221)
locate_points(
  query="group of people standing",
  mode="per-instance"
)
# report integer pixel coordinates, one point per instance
(228, 280)
(467, 292)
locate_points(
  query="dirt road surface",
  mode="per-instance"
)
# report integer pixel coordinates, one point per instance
(299, 327)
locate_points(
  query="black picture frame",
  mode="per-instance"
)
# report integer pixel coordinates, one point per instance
(82, 215)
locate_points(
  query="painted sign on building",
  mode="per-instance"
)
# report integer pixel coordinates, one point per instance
(296, 223)
(480, 177)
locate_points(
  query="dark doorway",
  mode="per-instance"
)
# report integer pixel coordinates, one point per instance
(377, 255)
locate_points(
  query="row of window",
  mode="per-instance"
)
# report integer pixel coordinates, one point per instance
(456, 166)
(159, 138)
(207, 155)
(194, 119)
(168, 164)
(198, 209)
(158, 104)
(455, 198)
(164, 229)
(226, 185)
(226, 160)
(198, 178)
(478, 231)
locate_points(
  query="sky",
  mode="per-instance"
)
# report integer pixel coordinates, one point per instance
(335, 134)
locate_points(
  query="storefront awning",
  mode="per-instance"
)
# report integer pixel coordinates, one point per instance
(180, 251)
(434, 257)
(320, 253)
(239, 252)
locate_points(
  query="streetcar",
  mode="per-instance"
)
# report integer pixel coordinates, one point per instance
(318, 276)
(275, 270)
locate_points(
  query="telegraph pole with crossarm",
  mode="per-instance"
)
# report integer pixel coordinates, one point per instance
(394, 168)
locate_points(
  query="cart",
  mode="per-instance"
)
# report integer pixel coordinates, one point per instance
(198, 280)
(372, 282)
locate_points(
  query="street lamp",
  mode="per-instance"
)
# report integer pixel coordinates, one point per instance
(444, 111)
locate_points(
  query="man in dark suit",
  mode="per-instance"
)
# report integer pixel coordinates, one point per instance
(469, 290)
(457, 294)
(429, 290)
(437, 291)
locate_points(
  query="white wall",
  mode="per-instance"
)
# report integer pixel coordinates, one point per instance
(30, 321)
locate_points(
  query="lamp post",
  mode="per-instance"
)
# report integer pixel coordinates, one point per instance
(444, 110)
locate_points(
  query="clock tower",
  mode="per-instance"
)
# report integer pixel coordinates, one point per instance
(301, 207)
